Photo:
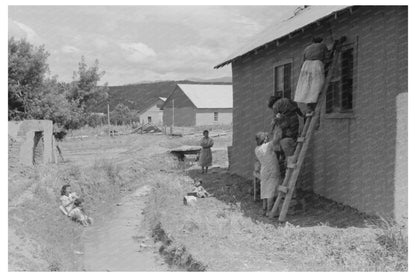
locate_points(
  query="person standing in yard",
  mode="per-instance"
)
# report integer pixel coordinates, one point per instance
(269, 168)
(205, 159)
(312, 74)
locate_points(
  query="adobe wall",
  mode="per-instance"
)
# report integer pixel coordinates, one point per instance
(24, 132)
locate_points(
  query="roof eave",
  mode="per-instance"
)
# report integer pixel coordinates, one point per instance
(279, 38)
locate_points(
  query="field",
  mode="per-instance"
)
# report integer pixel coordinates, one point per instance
(225, 232)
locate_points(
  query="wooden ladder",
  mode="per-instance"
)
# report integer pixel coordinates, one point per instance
(294, 162)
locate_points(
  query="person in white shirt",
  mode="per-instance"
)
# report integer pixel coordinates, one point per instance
(269, 168)
(67, 199)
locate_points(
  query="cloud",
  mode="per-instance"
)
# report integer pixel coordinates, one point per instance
(25, 31)
(142, 42)
(68, 49)
(100, 43)
(137, 51)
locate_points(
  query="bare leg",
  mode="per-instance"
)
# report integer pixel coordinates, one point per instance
(264, 207)
(270, 203)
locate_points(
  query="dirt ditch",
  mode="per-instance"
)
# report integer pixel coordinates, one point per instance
(175, 253)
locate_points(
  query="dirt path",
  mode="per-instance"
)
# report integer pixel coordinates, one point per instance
(122, 242)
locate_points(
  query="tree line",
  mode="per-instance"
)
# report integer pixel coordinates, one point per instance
(34, 94)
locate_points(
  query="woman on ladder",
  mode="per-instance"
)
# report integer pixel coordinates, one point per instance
(312, 75)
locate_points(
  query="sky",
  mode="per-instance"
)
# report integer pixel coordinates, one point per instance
(141, 43)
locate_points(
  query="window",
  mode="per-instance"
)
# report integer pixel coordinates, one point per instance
(149, 119)
(340, 89)
(282, 79)
(215, 116)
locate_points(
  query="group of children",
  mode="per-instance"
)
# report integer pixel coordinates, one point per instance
(272, 152)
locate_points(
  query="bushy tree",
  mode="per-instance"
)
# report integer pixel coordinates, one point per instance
(33, 95)
(134, 116)
(120, 114)
(26, 72)
(84, 87)
(96, 119)
(51, 102)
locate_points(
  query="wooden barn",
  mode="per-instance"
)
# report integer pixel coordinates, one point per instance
(199, 104)
(152, 113)
(358, 156)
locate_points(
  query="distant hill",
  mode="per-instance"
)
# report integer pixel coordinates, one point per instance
(216, 80)
(140, 96)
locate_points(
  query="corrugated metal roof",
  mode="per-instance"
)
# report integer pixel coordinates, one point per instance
(209, 96)
(282, 28)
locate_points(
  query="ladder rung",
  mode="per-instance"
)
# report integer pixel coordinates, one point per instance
(283, 189)
(301, 139)
(291, 165)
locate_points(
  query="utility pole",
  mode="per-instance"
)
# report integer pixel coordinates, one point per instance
(108, 118)
(173, 114)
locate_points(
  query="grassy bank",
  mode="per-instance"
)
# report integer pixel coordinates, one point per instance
(223, 235)
(41, 238)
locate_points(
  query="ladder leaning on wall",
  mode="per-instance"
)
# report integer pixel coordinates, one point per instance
(294, 163)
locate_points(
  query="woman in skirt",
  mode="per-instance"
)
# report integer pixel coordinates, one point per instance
(312, 74)
(205, 159)
(269, 168)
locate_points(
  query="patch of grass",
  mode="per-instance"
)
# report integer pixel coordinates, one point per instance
(393, 237)
(99, 131)
(224, 236)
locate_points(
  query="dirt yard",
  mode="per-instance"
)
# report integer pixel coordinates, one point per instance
(134, 190)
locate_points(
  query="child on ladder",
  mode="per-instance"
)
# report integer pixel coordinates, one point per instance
(285, 117)
(312, 75)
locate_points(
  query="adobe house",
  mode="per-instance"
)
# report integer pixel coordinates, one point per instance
(199, 104)
(152, 113)
(33, 141)
(358, 156)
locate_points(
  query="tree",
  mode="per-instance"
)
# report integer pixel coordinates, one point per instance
(120, 114)
(85, 89)
(52, 104)
(26, 72)
(96, 119)
(134, 116)
(32, 95)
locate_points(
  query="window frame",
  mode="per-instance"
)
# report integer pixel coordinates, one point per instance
(279, 64)
(345, 113)
(216, 116)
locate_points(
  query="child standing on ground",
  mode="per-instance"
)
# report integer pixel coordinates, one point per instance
(269, 169)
